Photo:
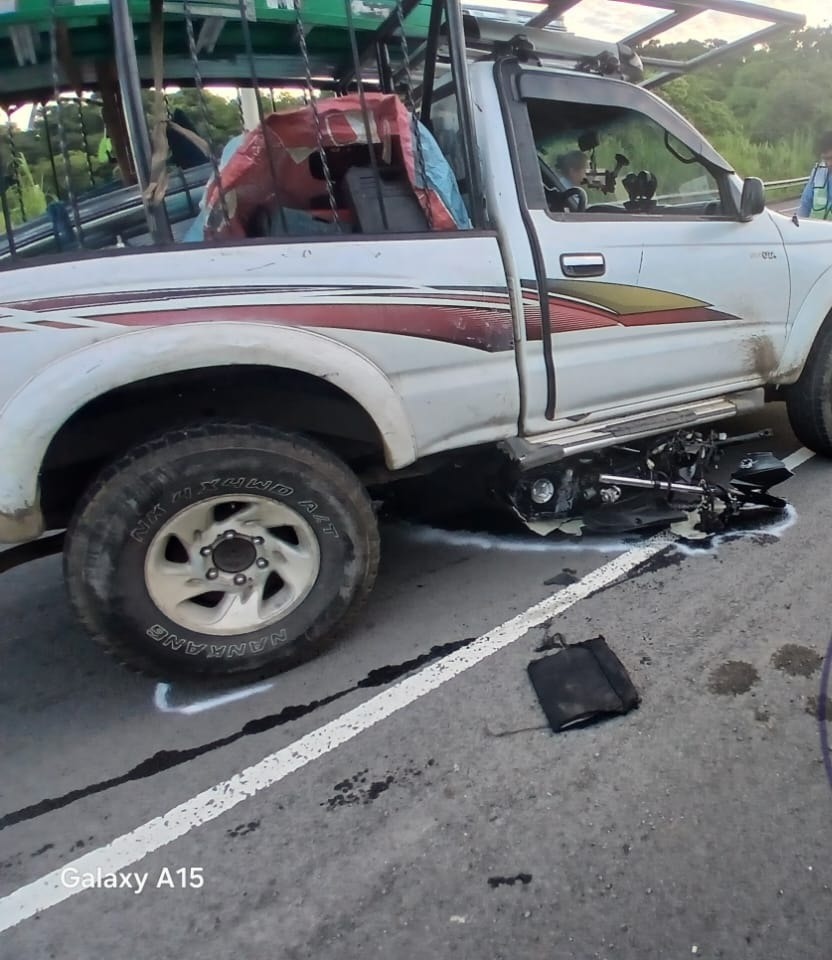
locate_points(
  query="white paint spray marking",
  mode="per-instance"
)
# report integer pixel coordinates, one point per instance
(49, 890)
(591, 544)
(712, 544)
(515, 543)
(799, 457)
(161, 699)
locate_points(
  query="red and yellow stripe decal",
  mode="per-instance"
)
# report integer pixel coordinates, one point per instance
(477, 318)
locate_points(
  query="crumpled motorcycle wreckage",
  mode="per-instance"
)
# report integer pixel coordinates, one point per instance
(660, 483)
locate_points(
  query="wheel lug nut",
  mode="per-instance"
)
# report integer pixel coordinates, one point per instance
(212, 574)
(229, 534)
(258, 541)
(205, 551)
(262, 562)
(240, 579)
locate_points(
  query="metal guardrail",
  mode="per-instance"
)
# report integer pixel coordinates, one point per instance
(795, 182)
(699, 197)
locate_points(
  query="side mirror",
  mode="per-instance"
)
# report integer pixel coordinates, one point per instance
(753, 201)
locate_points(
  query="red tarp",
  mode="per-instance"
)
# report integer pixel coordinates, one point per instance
(247, 180)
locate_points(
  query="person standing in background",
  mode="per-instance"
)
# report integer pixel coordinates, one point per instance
(816, 202)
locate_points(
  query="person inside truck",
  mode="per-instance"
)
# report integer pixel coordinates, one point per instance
(572, 168)
(816, 201)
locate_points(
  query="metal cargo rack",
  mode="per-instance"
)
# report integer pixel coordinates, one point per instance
(85, 37)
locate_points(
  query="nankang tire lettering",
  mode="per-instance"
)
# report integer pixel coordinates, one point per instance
(142, 528)
(214, 651)
(158, 633)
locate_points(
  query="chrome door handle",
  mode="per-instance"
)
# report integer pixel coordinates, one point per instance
(583, 264)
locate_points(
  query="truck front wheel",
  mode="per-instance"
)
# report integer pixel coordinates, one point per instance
(222, 549)
(809, 401)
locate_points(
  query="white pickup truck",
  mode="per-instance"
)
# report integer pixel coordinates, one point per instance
(207, 419)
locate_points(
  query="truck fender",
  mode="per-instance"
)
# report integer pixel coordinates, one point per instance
(804, 329)
(33, 415)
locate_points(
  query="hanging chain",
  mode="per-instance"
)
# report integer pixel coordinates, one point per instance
(85, 139)
(330, 188)
(239, 102)
(215, 167)
(62, 138)
(16, 163)
(411, 106)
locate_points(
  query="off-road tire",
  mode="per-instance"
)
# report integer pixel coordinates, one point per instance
(110, 534)
(809, 401)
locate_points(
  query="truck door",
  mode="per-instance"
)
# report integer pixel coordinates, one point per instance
(657, 291)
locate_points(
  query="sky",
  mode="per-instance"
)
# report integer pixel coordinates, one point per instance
(608, 18)
(612, 20)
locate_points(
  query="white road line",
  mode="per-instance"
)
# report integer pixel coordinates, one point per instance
(794, 460)
(49, 890)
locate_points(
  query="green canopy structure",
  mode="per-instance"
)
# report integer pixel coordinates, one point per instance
(85, 40)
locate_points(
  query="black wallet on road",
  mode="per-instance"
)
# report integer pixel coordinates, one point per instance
(582, 683)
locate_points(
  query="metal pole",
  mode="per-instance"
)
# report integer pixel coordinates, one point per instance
(130, 87)
(645, 484)
(48, 136)
(385, 73)
(459, 70)
(429, 75)
(248, 107)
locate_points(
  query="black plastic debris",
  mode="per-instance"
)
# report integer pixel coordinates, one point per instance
(584, 683)
(524, 878)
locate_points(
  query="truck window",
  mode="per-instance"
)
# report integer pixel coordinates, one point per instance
(621, 162)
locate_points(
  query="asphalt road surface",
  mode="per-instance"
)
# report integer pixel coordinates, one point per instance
(423, 810)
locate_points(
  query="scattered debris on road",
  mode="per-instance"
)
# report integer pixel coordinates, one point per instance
(524, 878)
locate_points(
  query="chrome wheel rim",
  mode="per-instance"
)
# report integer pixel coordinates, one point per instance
(230, 565)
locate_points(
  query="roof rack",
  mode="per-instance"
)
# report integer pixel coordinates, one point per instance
(24, 22)
(560, 45)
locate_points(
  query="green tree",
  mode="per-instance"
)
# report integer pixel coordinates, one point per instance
(763, 109)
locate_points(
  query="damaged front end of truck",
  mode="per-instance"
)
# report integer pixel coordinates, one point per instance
(668, 482)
